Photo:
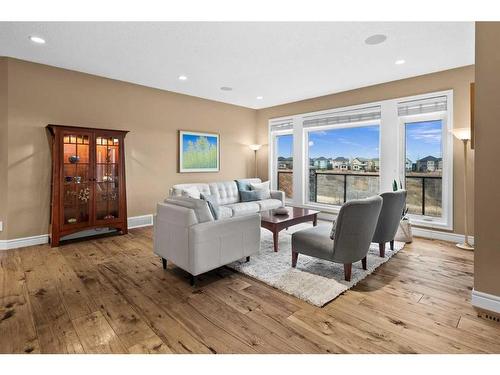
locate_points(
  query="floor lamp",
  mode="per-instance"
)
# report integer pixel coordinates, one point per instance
(464, 135)
(255, 148)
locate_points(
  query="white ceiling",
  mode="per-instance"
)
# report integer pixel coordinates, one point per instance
(283, 62)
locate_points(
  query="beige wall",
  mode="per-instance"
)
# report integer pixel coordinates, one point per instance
(40, 95)
(487, 178)
(457, 79)
(3, 144)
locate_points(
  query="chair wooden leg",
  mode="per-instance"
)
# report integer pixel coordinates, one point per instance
(363, 262)
(164, 261)
(192, 280)
(392, 244)
(295, 256)
(381, 247)
(347, 271)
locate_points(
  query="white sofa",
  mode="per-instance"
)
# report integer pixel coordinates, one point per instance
(229, 197)
(186, 233)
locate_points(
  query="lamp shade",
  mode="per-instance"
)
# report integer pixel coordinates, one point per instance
(462, 133)
(255, 147)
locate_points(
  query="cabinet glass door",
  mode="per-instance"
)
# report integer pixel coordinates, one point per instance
(76, 190)
(107, 189)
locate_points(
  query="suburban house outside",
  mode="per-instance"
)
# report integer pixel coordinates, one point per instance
(429, 164)
(360, 164)
(285, 163)
(321, 162)
(340, 163)
(408, 165)
(374, 165)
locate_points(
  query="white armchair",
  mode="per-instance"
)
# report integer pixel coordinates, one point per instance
(198, 247)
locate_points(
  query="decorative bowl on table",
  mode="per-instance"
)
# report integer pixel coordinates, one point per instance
(281, 211)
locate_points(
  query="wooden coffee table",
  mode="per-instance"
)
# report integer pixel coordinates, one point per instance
(276, 223)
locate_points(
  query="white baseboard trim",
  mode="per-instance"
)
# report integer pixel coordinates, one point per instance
(133, 222)
(419, 232)
(485, 301)
(439, 235)
(140, 221)
(24, 242)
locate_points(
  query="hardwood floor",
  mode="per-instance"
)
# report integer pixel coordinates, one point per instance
(111, 295)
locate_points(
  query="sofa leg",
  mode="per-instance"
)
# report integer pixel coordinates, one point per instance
(363, 262)
(347, 271)
(295, 256)
(381, 247)
(164, 261)
(192, 280)
(392, 244)
(248, 259)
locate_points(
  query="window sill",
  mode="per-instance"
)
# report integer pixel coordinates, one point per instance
(420, 221)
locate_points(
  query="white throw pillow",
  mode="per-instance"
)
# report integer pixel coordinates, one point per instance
(191, 192)
(264, 187)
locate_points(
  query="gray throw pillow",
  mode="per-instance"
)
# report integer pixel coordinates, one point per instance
(243, 185)
(213, 204)
(332, 232)
(251, 195)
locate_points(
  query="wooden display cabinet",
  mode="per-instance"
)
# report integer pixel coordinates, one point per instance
(88, 180)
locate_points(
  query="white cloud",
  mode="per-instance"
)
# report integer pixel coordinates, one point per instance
(311, 143)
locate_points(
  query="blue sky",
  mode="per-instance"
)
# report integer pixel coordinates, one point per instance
(423, 139)
(186, 138)
(285, 145)
(347, 142)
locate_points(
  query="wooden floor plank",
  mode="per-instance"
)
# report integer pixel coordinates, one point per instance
(111, 295)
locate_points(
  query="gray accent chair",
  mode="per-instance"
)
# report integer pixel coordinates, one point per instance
(388, 221)
(355, 226)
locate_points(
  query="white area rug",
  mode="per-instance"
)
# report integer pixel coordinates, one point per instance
(314, 280)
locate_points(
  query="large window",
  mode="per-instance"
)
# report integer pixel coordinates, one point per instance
(424, 167)
(343, 163)
(326, 158)
(284, 163)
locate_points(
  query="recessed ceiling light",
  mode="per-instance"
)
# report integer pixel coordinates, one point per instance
(399, 62)
(375, 39)
(182, 78)
(37, 39)
(260, 97)
(226, 88)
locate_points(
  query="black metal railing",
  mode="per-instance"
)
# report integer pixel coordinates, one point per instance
(285, 182)
(424, 195)
(424, 192)
(339, 182)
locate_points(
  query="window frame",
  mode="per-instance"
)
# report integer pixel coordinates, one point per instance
(446, 220)
(306, 183)
(392, 152)
(273, 165)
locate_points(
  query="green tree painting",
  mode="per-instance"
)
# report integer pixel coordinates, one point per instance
(199, 152)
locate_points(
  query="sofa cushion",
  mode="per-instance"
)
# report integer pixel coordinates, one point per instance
(244, 183)
(244, 208)
(177, 189)
(264, 187)
(226, 192)
(199, 206)
(269, 204)
(213, 204)
(250, 196)
(225, 212)
(191, 192)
